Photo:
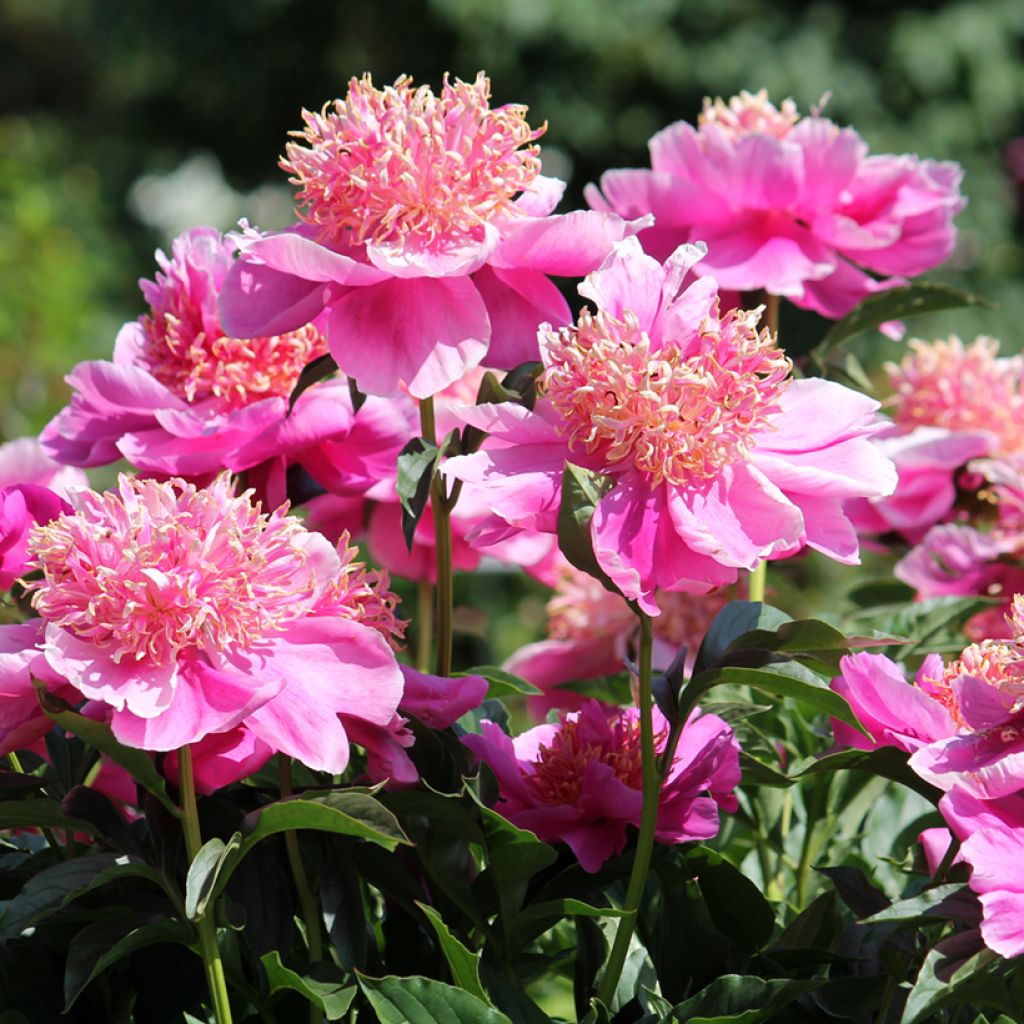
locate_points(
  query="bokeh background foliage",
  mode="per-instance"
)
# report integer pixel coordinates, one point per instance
(123, 123)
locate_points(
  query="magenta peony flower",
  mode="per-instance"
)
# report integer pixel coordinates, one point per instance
(927, 460)
(590, 631)
(190, 612)
(182, 398)
(22, 506)
(790, 204)
(579, 781)
(413, 238)
(719, 459)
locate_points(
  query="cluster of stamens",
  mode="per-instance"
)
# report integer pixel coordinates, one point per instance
(677, 415)
(960, 387)
(400, 165)
(749, 112)
(150, 569)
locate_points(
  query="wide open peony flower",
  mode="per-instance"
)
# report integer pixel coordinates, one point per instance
(191, 611)
(790, 204)
(590, 631)
(183, 398)
(427, 235)
(579, 781)
(719, 459)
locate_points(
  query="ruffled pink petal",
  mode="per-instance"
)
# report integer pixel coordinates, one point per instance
(440, 702)
(627, 280)
(221, 759)
(426, 332)
(385, 746)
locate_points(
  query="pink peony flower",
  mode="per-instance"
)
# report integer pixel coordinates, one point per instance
(966, 389)
(590, 632)
(23, 461)
(190, 612)
(927, 460)
(413, 238)
(183, 398)
(22, 720)
(896, 713)
(22, 506)
(579, 781)
(719, 459)
(790, 204)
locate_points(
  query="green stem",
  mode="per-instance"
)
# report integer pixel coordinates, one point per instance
(441, 504)
(424, 624)
(755, 582)
(648, 821)
(207, 929)
(307, 901)
(64, 851)
(947, 860)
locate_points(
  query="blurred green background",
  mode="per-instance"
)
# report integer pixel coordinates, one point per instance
(124, 123)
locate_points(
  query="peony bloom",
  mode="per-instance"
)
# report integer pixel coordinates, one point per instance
(426, 235)
(22, 720)
(967, 389)
(190, 612)
(590, 632)
(927, 460)
(719, 459)
(23, 461)
(895, 712)
(579, 781)
(183, 398)
(789, 204)
(21, 507)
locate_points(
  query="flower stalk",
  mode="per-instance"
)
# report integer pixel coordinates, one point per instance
(207, 929)
(648, 819)
(441, 504)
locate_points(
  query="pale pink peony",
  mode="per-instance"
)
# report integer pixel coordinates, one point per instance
(183, 398)
(579, 781)
(23, 461)
(719, 459)
(191, 611)
(427, 236)
(591, 633)
(962, 388)
(22, 721)
(792, 205)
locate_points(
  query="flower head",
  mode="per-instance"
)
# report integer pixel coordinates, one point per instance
(191, 611)
(962, 388)
(793, 205)
(400, 166)
(580, 781)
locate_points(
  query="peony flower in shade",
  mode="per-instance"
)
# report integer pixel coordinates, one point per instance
(789, 204)
(590, 633)
(579, 781)
(426, 234)
(191, 611)
(962, 388)
(183, 398)
(719, 459)
(22, 720)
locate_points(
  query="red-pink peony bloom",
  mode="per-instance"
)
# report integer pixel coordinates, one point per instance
(579, 781)
(22, 506)
(183, 398)
(427, 235)
(790, 204)
(191, 611)
(590, 632)
(718, 458)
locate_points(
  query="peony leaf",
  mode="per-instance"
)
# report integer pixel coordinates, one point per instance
(582, 489)
(417, 462)
(312, 373)
(462, 962)
(419, 1000)
(323, 984)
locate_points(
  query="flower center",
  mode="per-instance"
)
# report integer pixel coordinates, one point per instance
(676, 415)
(750, 112)
(198, 362)
(362, 595)
(558, 772)
(400, 165)
(947, 384)
(996, 663)
(151, 569)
